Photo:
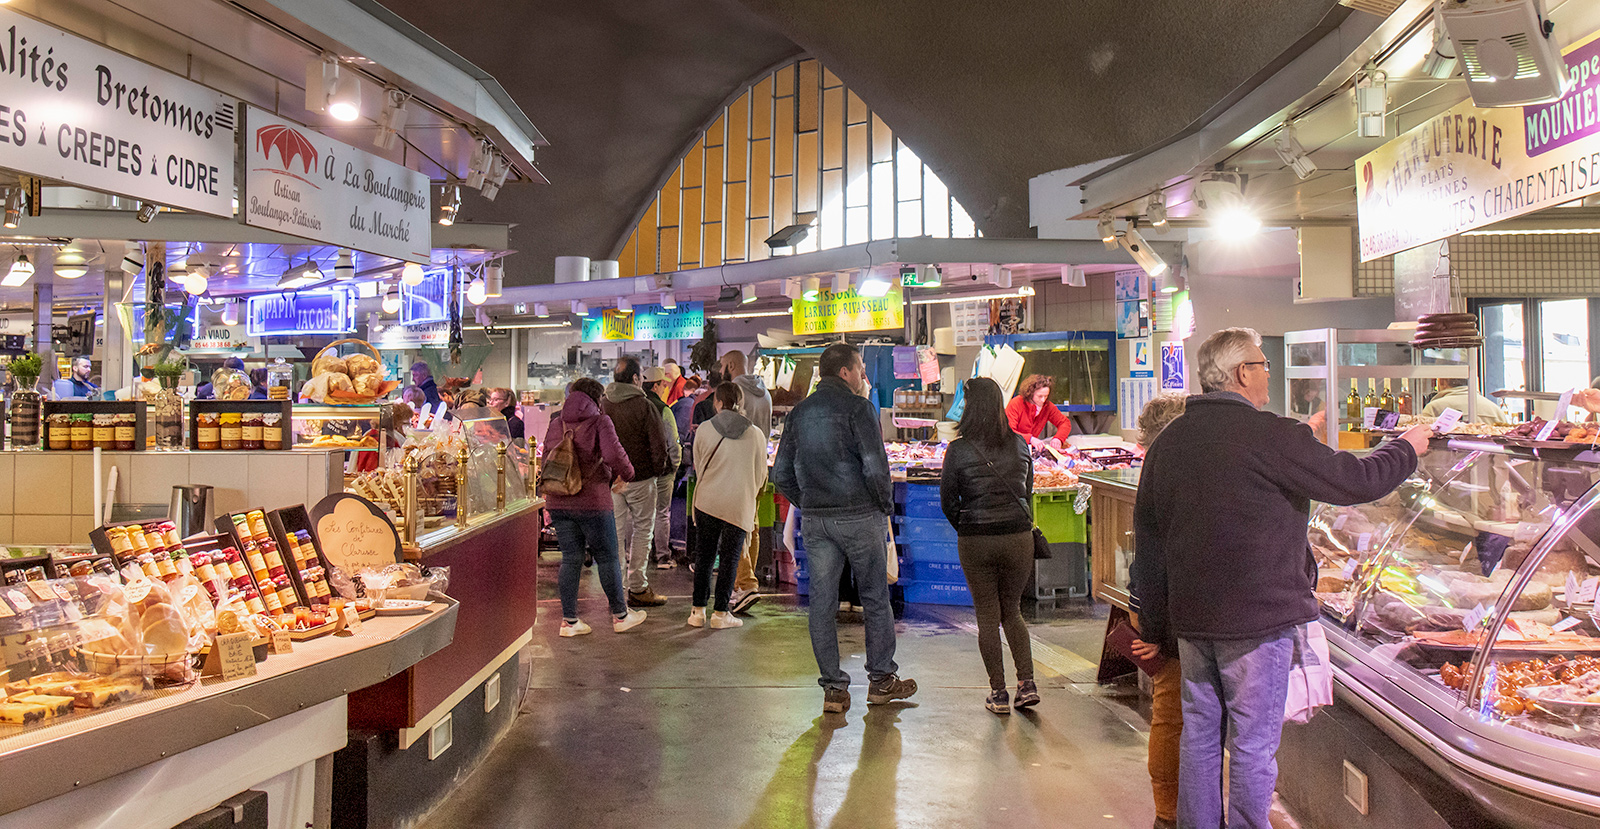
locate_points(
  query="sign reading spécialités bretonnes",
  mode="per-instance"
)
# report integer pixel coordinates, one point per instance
(1470, 167)
(303, 183)
(74, 111)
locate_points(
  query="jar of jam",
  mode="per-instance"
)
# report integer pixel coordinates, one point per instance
(59, 427)
(125, 428)
(232, 428)
(250, 432)
(272, 430)
(208, 431)
(83, 431)
(105, 431)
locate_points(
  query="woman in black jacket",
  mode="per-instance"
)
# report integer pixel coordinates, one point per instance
(985, 491)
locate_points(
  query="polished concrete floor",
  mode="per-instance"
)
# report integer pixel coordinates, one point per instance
(669, 726)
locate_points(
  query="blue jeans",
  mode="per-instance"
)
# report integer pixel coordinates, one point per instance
(1234, 692)
(594, 532)
(861, 539)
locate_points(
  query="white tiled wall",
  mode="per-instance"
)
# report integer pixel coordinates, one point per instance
(48, 497)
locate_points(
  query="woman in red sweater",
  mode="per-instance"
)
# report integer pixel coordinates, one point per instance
(1031, 409)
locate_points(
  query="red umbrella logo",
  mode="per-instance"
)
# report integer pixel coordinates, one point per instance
(290, 145)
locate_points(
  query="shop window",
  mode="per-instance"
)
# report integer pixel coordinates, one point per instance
(1564, 344)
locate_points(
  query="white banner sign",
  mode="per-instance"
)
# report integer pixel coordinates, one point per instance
(220, 337)
(301, 182)
(74, 111)
(413, 336)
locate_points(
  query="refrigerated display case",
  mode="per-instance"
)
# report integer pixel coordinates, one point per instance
(351, 428)
(1326, 363)
(1460, 614)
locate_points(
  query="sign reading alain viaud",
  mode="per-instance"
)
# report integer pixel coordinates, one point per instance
(1469, 167)
(303, 183)
(76, 112)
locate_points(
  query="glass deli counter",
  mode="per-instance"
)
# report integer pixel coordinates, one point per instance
(1460, 611)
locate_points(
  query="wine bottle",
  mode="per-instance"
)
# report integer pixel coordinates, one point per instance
(1386, 400)
(1352, 407)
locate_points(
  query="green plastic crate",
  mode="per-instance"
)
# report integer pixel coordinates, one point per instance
(767, 506)
(1053, 513)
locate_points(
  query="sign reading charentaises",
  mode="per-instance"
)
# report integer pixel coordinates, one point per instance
(1468, 167)
(301, 182)
(77, 112)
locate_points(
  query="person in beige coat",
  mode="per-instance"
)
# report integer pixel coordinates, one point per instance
(730, 461)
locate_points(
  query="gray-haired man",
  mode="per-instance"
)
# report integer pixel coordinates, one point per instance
(1222, 564)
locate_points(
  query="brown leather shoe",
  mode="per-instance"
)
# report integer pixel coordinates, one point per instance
(645, 598)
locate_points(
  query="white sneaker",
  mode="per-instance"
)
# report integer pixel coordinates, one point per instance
(577, 628)
(742, 600)
(697, 617)
(628, 622)
(723, 619)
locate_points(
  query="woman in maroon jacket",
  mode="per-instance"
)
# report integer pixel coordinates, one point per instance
(584, 522)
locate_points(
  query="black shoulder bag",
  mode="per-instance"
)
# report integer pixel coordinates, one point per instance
(1041, 545)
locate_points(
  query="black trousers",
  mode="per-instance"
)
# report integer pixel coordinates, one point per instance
(720, 545)
(997, 569)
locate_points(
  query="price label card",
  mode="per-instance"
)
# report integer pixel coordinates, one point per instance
(1447, 421)
(233, 656)
(41, 591)
(280, 642)
(1588, 590)
(1571, 591)
(352, 619)
(1465, 552)
(1350, 566)
(1474, 618)
(1369, 417)
(1340, 519)
(1567, 624)
(19, 600)
(1564, 403)
(1363, 542)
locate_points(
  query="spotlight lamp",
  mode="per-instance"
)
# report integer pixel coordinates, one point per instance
(1133, 242)
(747, 294)
(1073, 275)
(344, 266)
(450, 204)
(786, 240)
(541, 310)
(1220, 196)
(478, 164)
(21, 271)
(412, 274)
(579, 308)
(147, 211)
(668, 301)
(14, 208)
(1107, 228)
(494, 279)
(1156, 211)
(391, 300)
(499, 168)
(812, 289)
(1291, 153)
(344, 102)
(1441, 60)
(873, 284)
(230, 312)
(1372, 103)
(392, 119)
(624, 305)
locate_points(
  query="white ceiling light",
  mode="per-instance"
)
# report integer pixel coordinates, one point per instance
(1507, 55)
(624, 305)
(196, 281)
(392, 119)
(668, 301)
(66, 271)
(792, 288)
(1024, 291)
(21, 271)
(494, 279)
(1220, 196)
(743, 315)
(1000, 277)
(1133, 242)
(541, 310)
(811, 289)
(1073, 275)
(475, 292)
(841, 282)
(499, 168)
(579, 308)
(873, 283)
(391, 300)
(1441, 59)
(1372, 103)
(1156, 211)
(1291, 153)
(449, 205)
(478, 164)
(301, 275)
(747, 294)
(1107, 229)
(14, 208)
(412, 274)
(230, 312)
(344, 266)
(344, 101)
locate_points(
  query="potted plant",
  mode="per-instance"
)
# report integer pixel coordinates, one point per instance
(25, 400)
(169, 372)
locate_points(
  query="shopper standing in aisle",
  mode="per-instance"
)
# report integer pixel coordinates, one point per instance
(831, 463)
(1166, 699)
(584, 522)
(675, 379)
(422, 378)
(732, 458)
(504, 402)
(1223, 565)
(755, 405)
(1031, 410)
(985, 491)
(639, 428)
(657, 384)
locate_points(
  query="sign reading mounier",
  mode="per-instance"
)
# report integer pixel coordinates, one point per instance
(837, 311)
(303, 183)
(1470, 167)
(647, 322)
(74, 111)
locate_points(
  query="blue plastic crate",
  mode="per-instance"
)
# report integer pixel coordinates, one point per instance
(932, 592)
(910, 528)
(922, 493)
(926, 551)
(939, 571)
(923, 510)
(802, 585)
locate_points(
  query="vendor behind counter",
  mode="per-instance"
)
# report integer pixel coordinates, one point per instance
(1031, 410)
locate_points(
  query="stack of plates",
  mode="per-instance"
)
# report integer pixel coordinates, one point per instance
(1447, 331)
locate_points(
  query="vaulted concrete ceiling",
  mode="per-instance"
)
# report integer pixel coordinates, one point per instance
(988, 92)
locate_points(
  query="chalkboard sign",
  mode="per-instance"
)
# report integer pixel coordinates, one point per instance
(354, 533)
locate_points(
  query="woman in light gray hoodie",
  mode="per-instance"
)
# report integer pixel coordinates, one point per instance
(730, 461)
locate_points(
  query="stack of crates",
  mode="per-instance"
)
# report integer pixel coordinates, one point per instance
(930, 569)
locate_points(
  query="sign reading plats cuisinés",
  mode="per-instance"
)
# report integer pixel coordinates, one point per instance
(77, 112)
(838, 311)
(303, 183)
(1469, 167)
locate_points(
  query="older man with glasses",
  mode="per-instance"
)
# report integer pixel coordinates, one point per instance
(1223, 568)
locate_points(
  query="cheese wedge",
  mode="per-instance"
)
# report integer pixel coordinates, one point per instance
(22, 713)
(56, 706)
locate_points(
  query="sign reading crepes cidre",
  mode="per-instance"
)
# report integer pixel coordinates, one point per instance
(836, 311)
(75, 111)
(303, 183)
(1470, 167)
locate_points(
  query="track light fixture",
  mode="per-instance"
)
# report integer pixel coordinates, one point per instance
(1372, 102)
(1156, 211)
(747, 294)
(499, 168)
(1107, 228)
(392, 119)
(579, 308)
(344, 266)
(1073, 276)
(494, 279)
(1133, 242)
(230, 312)
(541, 310)
(478, 164)
(1220, 196)
(450, 205)
(13, 208)
(668, 301)
(332, 89)
(811, 288)
(21, 271)
(624, 305)
(147, 211)
(1441, 60)
(841, 282)
(1291, 153)
(391, 300)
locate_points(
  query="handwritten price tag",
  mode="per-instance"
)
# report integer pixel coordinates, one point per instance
(280, 642)
(1369, 417)
(1364, 542)
(352, 619)
(234, 656)
(1447, 421)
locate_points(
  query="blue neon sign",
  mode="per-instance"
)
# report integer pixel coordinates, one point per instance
(322, 312)
(428, 301)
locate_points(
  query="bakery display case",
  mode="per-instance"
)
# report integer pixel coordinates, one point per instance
(1460, 611)
(351, 428)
